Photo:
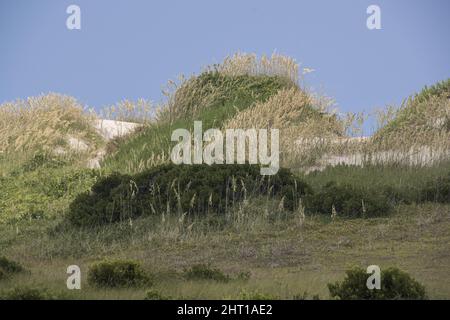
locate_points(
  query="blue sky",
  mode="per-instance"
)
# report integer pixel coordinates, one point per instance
(129, 49)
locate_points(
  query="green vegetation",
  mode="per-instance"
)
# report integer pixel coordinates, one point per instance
(42, 191)
(255, 295)
(189, 189)
(286, 255)
(28, 293)
(396, 284)
(156, 295)
(441, 88)
(437, 190)
(348, 201)
(45, 124)
(164, 225)
(205, 272)
(220, 98)
(9, 268)
(422, 120)
(399, 184)
(118, 273)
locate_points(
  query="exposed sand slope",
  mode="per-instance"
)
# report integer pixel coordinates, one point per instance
(110, 129)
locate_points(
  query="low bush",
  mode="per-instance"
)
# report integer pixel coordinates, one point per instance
(395, 284)
(9, 266)
(348, 201)
(27, 293)
(156, 295)
(255, 295)
(194, 189)
(205, 272)
(437, 190)
(118, 273)
(244, 276)
(305, 296)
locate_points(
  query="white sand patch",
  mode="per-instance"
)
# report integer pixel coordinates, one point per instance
(110, 129)
(414, 156)
(77, 144)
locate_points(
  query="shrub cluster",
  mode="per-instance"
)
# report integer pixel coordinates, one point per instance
(8, 267)
(156, 295)
(395, 284)
(118, 273)
(437, 190)
(204, 190)
(27, 293)
(348, 201)
(255, 295)
(205, 272)
(192, 189)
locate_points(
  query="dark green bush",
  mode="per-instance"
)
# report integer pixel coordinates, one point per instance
(255, 295)
(118, 273)
(305, 296)
(244, 276)
(205, 272)
(156, 295)
(8, 266)
(395, 284)
(26, 293)
(348, 201)
(437, 190)
(195, 189)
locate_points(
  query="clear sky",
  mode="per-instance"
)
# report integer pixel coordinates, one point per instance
(128, 49)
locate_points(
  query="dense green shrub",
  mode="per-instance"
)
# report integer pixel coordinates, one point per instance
(9, 266)
(118, 273)
(305, 296)
(437, 190)
(395, 284)
(26, 293)
(195, 189)
(255, 295)
(156, 295)
(348, 201)
(244, 276)
(205, 272)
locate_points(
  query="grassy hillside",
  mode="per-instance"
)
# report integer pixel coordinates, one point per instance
(211, 97)
(423, 119)
(52, 125)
